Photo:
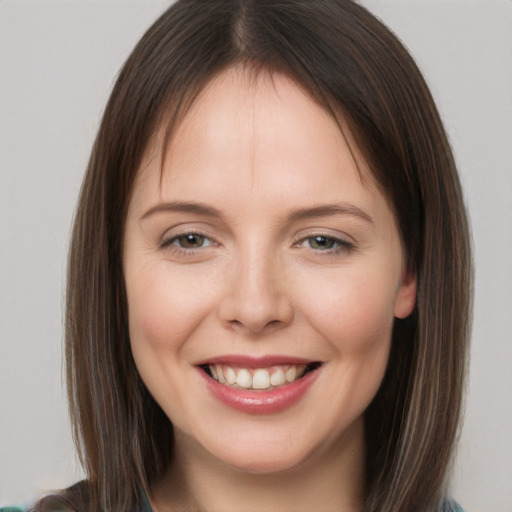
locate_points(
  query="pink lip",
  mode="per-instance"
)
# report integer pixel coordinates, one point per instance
(246, 361)
(260, 402)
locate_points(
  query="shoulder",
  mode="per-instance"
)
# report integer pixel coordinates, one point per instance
(54, 503)
(73, 499)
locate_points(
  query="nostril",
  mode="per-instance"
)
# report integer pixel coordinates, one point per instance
(253, 300)
(255, 327)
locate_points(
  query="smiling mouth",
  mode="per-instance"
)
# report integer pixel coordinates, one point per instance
(258, 379)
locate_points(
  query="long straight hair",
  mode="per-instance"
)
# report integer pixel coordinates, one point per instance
(353, 66)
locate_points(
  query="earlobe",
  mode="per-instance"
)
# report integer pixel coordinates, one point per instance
(406, 297)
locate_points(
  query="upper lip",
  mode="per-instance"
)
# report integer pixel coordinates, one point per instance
(248, 361)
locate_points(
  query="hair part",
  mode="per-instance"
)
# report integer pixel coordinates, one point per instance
(354, 67)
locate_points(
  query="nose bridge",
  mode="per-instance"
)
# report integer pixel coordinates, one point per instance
(256, 269)
(257, 297)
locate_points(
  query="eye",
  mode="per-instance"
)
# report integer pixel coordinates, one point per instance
(188, 241)
(324, 243)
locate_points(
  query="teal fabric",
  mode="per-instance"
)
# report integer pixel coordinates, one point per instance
(447, 506)
(146, 507)
(450, 506)
(58, 505)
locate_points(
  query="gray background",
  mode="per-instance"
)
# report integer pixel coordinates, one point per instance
(58, 60)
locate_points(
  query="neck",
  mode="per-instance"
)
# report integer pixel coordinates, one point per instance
(334, 480)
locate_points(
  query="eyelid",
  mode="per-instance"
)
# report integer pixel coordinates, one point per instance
(168, 240)
(343, 244)
(186, 227)
(338, 236)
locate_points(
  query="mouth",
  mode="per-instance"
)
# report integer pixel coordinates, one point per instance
(264, 378)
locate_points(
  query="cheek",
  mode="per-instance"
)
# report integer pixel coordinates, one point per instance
(352, 310)
(165, 310)
(164, 307)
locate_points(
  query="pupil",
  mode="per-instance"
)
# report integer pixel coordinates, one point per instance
(191, 241)
(322, 242)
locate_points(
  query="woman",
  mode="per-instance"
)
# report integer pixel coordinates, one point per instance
(269, 278)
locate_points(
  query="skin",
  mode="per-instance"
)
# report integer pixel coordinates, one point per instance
(257, 150)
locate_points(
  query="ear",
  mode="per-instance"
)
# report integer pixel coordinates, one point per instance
(406, 297)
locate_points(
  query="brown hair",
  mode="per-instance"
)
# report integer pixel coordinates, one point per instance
(353, 65)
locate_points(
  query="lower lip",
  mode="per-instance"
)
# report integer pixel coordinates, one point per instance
(260, 402)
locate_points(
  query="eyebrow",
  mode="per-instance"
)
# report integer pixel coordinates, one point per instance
(325, 210)
(183, 206)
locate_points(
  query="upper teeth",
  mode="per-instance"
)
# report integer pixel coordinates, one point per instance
(257, 378)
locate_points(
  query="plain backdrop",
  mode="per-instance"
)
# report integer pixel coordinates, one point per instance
(58, 60)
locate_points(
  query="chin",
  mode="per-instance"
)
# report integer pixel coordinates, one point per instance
(265, 452)
(265, 463)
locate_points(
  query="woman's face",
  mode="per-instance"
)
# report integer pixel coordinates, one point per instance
(262, 278)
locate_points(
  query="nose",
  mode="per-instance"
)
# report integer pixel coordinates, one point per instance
(256, 298)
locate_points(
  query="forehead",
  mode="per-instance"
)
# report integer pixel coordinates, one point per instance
(254, 117)
(257, 149)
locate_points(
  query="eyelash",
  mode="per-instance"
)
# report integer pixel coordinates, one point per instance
(173, 243)
(340, 245)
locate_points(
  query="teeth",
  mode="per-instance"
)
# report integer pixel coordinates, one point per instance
(291, 374)
(220, 374)
(278, 378)
(260, 378)
(230, 376)
(244, 379)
